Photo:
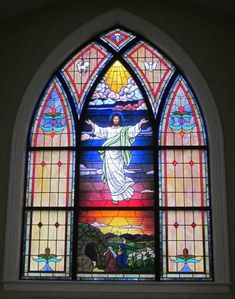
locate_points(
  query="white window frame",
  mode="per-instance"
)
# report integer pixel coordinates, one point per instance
(11, 280)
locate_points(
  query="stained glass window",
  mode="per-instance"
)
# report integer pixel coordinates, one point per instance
(181, 122)
(96, 192)
(50, 188)
(117, 170)
(153, 69)
(184, 187)
(117, 38)
(53, 125)
(117, 93)
(116, 244)
(81, 70)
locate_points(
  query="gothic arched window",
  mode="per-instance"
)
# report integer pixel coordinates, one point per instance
(117, 182)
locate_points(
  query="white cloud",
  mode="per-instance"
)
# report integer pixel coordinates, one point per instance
(96, 102)
(99, 171)
(85, 137)
(130, 226)
(147, 191)
(87, 171)
(142, 107)
(127, 93)
(109, 101)
(97, 224)
(129, 171)
(113, 95)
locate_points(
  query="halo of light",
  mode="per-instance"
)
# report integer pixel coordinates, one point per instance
(117, 76)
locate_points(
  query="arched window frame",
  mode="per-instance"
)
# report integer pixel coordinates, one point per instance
(15, 203)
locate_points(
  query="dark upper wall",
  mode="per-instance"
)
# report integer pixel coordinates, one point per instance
(207, 36)
(13, 7)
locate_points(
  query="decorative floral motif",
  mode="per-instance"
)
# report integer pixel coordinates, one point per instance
(181, 119)
(47, 258)
(185, 259)
(53, 118)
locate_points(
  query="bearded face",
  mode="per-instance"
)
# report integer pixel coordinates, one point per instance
(116, 121)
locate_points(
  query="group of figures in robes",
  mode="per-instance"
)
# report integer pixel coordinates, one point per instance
(116, 261)
(114, 160)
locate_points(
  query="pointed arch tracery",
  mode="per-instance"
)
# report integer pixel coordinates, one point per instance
(78, 223)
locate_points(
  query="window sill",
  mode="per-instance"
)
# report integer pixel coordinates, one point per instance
(61, 287)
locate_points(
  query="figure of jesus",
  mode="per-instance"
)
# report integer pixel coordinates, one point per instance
(114, 160)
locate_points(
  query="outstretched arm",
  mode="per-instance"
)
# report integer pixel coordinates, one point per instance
(135, 130)
(90, 123)
(98, 131)
(143, 121)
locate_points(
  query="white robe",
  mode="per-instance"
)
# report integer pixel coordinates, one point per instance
(119, 185)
